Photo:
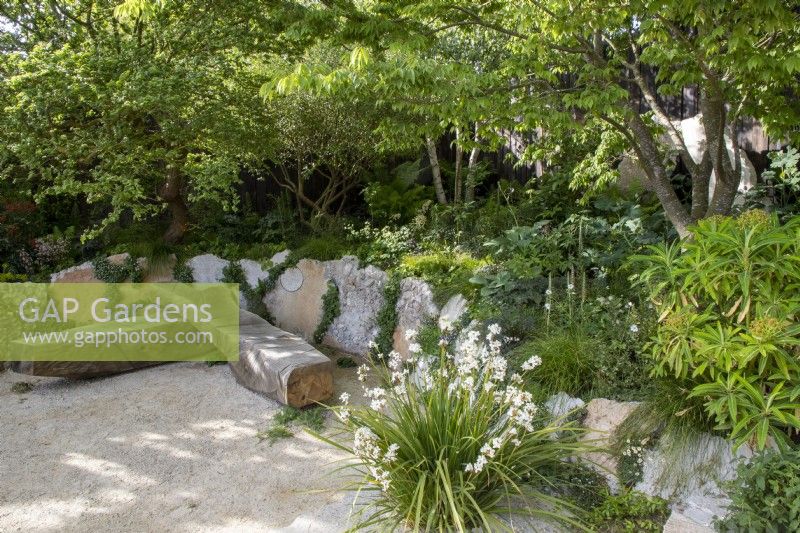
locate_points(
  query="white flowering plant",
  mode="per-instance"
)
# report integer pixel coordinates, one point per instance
(451, 441)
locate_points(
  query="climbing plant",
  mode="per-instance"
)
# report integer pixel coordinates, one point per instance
(330, 310)
(387, 316)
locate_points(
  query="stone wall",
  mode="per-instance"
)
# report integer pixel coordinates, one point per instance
(295, 302)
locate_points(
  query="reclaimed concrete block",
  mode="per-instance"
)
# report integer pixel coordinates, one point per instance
(296, 301)
(414, 306)
(360, 301)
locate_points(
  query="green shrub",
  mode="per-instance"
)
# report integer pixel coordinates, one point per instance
(447, 273)
(6, 277)
(582, 485)
(630, 512)
(518, 320)
(382, 247)
(325, 248)
(395, 201)
(108, 272)
(183, 273)
(233, 273)
(451, 447)
(330, 310)
(429, 335)
(729, 309)
(766, 494)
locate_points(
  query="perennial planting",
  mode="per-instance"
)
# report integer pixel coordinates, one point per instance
(452, 440)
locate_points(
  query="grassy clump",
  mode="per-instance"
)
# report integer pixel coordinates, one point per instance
(21, 387)
(568, 361)
(326, 248)
(312, 419)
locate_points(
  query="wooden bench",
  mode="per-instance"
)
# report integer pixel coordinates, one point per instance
(280, 365)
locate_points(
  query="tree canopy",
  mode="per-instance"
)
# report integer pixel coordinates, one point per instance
(133, 110)
(560, 67)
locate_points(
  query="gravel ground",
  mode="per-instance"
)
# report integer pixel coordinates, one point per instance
(169, 448)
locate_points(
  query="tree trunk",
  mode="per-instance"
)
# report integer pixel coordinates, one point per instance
(457, 194)
(727, 178)
(171, 194)
(436, 170)
(472, 170)
(650, 159)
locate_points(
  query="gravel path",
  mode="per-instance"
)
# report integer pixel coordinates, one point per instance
(169, 448)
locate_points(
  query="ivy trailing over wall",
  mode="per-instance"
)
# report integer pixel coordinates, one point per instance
(387, 316)
(275, 271)
(330, 310)
(183, 273)
(108, 272)
(233, 273)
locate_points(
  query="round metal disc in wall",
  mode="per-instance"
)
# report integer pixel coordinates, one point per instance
(292, 279)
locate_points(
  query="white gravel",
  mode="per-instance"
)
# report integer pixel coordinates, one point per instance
(169, 448)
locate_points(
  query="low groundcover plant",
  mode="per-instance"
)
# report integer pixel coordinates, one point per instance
(452, 442)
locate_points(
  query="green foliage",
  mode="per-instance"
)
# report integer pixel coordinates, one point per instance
(429, 335)
(235, 236)
(273, 434)
(499, 66)
(330, 310)
(325, 248)
(7, 277)
(387, 316)
(568, 361)
(630, 461)
(766, 494)
(396, 201)
(233, 273)
(447, 273)
(274, 272)
(630, 512)
(346, 362)
(589, 348)
(108, 272)
(780, 189)
(447, 451)
(583, 485)
(728, 308)
(326, 141)
(382, 247)
(183, 273)
(131, 116)
(312, 419)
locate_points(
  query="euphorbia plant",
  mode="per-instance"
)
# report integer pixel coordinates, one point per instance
(452, 442)
(729, 304)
